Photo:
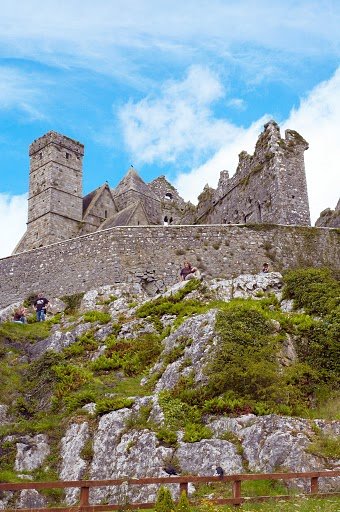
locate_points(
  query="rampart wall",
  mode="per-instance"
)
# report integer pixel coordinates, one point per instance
(153, 256)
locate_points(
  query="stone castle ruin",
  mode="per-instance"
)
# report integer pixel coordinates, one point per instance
(269, 187)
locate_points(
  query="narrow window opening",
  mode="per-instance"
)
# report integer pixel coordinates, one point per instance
(40, 156)
(105, 213)
(67, 155)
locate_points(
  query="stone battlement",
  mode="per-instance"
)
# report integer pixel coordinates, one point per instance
(59, 140)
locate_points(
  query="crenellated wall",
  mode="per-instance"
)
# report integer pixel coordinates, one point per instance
(153, 256)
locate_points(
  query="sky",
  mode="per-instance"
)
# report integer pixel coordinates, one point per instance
(174, 88)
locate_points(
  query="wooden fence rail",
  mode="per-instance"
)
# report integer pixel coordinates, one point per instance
(183, 481)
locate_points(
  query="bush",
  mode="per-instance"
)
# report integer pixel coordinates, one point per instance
(107, 405)
(97, 316)
(195, 432)
(72, 302)
(183, 504)
(164, 502)
(131, 356)
(314, 290)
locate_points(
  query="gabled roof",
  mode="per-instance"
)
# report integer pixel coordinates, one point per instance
(90, 200)
(123, 217)
(132, 181)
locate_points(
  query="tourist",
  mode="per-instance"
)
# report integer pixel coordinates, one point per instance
(265, 268)
(20, 316)
(189, 272)
(40, 307)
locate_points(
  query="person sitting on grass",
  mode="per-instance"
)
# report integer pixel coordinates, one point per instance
(189, 272)
(20, 316)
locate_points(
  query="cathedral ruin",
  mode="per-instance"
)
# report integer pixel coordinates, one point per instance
(268, 187)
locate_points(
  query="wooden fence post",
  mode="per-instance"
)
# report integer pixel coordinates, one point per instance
(183, 487)
(84, 497)
(314, 485)
(237, 491)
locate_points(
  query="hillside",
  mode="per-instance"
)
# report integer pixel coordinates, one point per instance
(240, 373)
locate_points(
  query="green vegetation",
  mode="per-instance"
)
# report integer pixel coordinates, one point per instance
(97, 316)
(131, 356)
(314, 290)
(171, 305)
(72, 302)
(243, 374)
(24, 332)
(330, 504)
(164, 502)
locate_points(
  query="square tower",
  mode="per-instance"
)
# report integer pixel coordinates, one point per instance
(55, 191)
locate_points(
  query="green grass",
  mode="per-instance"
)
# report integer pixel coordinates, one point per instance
(25, 332)
(331, 504)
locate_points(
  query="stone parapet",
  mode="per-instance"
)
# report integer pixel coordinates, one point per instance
(56, 138)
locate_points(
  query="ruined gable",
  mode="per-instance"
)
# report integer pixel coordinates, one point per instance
(268, 186)
(173, 206)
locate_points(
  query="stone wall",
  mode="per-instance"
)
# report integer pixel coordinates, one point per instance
(268, 186)
(153, 256)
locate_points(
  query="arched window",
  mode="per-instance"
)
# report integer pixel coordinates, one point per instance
(168, 195)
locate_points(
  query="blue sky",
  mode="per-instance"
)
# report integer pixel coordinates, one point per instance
(172, 87)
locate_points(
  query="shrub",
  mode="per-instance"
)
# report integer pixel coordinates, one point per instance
(72, 302)
(70, 377)
(164, 502)
(314, 290)
(167, 436)
(195, 432)
(131, 356)
(183, 504)
(97, 316)
(106, 405)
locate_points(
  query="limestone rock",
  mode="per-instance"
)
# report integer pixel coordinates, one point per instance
(73, 465)
(31, 499)
(31, 452)
(6, 314)
(135, 328)
(200, 458)
(249, 285)
(198, 334)
(56, 306)
(58, 340)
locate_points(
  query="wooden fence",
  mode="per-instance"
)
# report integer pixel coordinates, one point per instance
(237, 499)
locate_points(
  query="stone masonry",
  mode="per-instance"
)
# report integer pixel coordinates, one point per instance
(153, 255)
(268, 187)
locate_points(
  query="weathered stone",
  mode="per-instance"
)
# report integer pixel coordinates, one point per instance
(73, 465)
(7, 313)
(31, 452)
(58, 340)
(31, 499)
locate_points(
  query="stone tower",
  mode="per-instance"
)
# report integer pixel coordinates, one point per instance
(55, 191)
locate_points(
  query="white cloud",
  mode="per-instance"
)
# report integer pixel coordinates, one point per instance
(317, 119)
(21, 91)
(13, 217)
(109, 36)
(179, 122)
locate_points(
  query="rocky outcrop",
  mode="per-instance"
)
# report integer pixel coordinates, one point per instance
(116, 445)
